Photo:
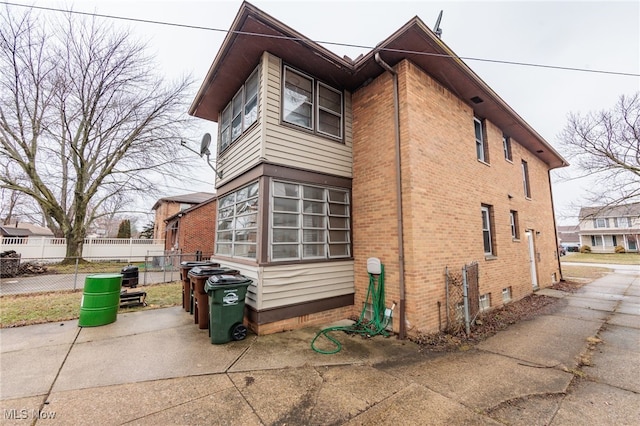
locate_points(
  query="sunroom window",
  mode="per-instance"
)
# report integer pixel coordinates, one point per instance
(309, 222)
(237, 230)
(312, 105)
(240, 113)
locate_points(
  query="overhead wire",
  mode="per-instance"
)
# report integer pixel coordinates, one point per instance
(350, 45)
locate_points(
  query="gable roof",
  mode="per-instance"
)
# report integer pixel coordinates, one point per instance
(192, 198)
(190, 209)
(10, 231)
(24, 229)
(622, 210)
(254, 32)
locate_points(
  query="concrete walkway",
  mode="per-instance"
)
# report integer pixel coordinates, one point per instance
(156, 367)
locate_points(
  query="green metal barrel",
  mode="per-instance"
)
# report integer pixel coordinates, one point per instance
(100, 300)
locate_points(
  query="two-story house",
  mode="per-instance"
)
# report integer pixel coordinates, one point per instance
(166, 207)
(604, 228)
(403, 154)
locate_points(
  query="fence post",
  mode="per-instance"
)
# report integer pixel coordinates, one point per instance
(146, 259)
(465, 294)
(75, 276)
(446, 273)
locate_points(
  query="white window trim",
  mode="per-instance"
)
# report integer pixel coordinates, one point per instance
(513, 218)
(526, 182)
(328, 111)
(486, 210)
(507, 148)
(481, 154)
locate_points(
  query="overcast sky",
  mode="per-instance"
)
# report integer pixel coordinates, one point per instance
(602, 35)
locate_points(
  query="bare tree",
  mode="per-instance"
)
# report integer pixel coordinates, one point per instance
(84, 121)
(606, 145)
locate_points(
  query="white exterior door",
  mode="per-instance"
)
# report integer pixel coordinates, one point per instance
(532, 259)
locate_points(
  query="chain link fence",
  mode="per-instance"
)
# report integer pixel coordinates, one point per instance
(462, 298)
(21, 275)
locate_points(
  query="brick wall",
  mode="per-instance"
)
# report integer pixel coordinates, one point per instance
(197, 229)
(444, 186)
(164, 210)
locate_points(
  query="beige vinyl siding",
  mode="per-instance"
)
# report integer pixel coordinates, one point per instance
(253, 272)
(245, 152)
(289, 146)
(290, 284)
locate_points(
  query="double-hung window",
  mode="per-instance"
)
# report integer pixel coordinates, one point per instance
(525, 179)
(623, 222)
(506, 146)
(481, 140)
(601, 223)
(312, 105)
(487, 236)
(236, 233)
(240, 113)
(513, 217)
(309, 222)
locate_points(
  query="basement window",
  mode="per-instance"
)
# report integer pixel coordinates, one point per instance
(485, 301)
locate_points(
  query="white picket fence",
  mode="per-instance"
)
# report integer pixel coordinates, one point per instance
(106, 248)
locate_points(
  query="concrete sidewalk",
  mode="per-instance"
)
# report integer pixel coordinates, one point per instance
(156, 367)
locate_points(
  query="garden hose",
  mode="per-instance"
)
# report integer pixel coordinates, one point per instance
(379, 318)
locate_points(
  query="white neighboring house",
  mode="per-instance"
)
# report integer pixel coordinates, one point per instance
(604, 228)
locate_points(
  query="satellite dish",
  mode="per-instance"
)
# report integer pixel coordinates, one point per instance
(204, 145)
(436, 29)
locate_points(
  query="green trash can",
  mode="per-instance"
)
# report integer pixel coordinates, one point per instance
(100, 300)
(226, 307)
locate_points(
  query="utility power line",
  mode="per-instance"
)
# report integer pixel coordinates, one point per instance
(198, 27)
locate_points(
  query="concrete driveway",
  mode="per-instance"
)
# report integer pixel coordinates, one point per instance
(578, 365)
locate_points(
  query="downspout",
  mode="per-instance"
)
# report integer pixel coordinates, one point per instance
(396, 105)
(555, 227)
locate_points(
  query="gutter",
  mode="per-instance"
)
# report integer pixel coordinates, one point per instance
(555, 226)
(396, 104)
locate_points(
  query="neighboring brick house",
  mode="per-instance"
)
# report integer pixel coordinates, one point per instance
(313, 148)
(169, 206)
(193, 230)
(604, 228)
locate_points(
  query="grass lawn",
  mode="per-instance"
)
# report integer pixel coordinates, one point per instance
(27, 309)
(612, 258)
(583, 273)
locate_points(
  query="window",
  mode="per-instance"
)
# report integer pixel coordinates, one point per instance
(309, 222)
(482, 151)
(513, 217)
(312, 105)
(237, 225)
(601, 223)
(240, 113)
(506, 146)
(525, 179)
(329, 111)
(506, 294)
(486, 230)
(623, 222)
(596, 240)
(485, 301)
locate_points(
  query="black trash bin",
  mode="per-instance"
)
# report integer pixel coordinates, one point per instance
(198, 275)
(130, 276)
(226, 307)
(187, 296)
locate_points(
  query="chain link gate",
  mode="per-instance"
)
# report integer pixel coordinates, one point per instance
(462, 297)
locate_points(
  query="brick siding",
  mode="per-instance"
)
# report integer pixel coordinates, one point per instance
(444, 186)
